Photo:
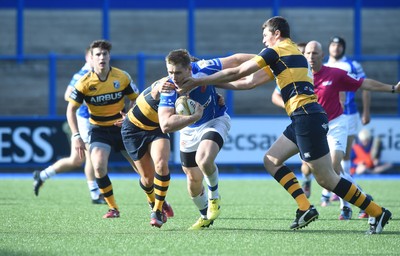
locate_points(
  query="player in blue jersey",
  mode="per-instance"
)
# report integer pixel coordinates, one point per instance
(74, 161)
(203, 138)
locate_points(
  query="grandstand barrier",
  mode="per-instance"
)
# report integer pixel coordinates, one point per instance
(36, 142)
(27, 143)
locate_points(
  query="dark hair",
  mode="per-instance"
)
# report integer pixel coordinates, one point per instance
(278, 23)
(194, 59)
(102, 44)
(339, 40)
(179, 57)
(301, 44)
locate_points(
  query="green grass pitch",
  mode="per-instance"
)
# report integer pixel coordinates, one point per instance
(255, 220)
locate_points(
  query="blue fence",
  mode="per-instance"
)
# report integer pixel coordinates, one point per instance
(45, 132)
(190, 6)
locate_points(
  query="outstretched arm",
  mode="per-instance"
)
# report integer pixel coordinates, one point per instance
(224, 76)
(235, 59)
(373, 85)
(251, 81)
(366, 101)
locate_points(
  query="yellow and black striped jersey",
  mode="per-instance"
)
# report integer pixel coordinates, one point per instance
(105, 99)
(145, 112)
(293, 75)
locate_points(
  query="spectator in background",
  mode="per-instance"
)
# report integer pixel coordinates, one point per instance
(104, 90)
(366, 154)
(74, 161)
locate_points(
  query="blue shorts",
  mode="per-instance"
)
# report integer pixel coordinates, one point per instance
(308, 132)
(137, 140)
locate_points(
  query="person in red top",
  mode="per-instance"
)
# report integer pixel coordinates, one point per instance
(328, 83)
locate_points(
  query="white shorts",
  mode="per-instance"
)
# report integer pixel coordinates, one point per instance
(83, 127)
(190, 138)
(337, 134)
(354, 123)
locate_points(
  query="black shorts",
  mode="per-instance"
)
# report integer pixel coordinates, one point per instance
(188, 159)
(110, 135)
(308, 132)
(136, 140)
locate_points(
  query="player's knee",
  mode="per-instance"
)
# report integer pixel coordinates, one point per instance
(271, 162)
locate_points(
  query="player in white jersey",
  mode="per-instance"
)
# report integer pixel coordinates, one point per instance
(337, 59)
(201, 141)
(74, 161)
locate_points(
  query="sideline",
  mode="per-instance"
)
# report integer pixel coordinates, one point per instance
(225, 176)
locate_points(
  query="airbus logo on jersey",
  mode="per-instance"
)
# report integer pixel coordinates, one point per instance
(105, 99)
(326, 83)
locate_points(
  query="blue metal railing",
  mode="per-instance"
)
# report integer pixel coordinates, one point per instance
(191, 6)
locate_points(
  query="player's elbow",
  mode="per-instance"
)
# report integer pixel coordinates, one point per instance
(165, 128)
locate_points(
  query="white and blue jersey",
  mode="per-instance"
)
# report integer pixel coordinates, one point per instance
(205, 95)
(354, 68)
(83, 109)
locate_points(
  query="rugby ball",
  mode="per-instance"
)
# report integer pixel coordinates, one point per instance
(184, 106)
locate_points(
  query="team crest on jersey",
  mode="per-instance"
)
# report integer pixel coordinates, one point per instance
(309, 88)
(117, 85)
(92, 88)
(205, 63)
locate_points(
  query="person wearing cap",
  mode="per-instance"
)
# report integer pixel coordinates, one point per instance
(366, 154)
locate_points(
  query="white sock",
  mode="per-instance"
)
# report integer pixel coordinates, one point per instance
(348, 177)
(326, 193)
(47, 173)
(344, 203)
(201, 201)
(94, 189)
(212, 183)
(346, 164)
(306, 177)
